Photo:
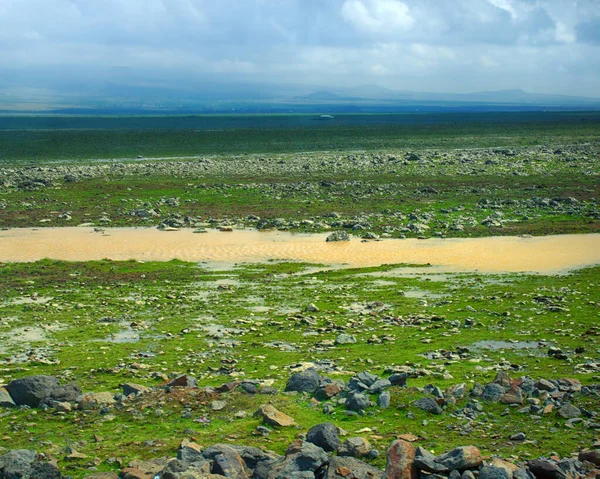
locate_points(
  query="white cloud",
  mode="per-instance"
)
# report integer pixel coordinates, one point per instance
(377, 15)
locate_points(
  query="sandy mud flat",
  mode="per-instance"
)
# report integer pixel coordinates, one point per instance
(546, 254)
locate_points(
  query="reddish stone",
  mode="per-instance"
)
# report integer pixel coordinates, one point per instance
(400, 461)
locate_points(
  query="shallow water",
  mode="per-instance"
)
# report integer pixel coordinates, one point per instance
(545, 254)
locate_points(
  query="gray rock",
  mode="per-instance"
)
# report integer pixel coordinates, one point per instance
(429, 405)
(338, 236)
(300, 457)
(5, 399)
(368, 379)
(24, 463)
(67, 393)
(345, 339)
(425, 461)
(17, 463)
(29, 391)
(178, 469)
(305, 381)
(492, 472)
(398, 379)
(357, 402)
(492, 392)
(379, 385)
(545, 469)
(461, 458)
(325, 436)
(190, 452)
(226, 461)
(348, 467)
(522, 473)
(355, 447)
(592, 456)
(132, 388)
(568, 411)
(384, 399)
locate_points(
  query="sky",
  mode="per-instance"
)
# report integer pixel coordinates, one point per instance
(456, 46)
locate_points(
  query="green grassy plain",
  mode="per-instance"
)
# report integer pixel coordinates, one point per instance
(172, 303)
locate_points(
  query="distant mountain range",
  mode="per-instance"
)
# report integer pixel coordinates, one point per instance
(365, 93)
(114, 93)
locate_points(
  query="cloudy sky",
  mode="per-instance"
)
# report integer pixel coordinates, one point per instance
(545, 46)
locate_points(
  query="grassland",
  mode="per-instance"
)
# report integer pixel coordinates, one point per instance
(221, 325)
(105, 323)
(41, 139)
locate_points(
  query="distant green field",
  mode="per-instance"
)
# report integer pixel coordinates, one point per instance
(48, 138)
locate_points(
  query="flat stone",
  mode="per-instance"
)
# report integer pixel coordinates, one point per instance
(96, 400)
(132, 388)
(273, 417)
(568, 411)
(512, 396)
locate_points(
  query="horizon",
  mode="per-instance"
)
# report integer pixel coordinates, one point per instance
(241, 49)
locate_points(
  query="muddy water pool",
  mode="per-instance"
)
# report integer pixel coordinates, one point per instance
(545, 254)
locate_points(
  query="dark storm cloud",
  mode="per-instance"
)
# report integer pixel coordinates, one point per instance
(458, 45)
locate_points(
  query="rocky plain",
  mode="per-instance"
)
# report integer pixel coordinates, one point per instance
(141, 369)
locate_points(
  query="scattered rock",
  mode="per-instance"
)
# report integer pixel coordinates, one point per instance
(338, 236)
(305, 381)
(29, 391)
(325, 436)
(400, 461)
(273, 417)
(429, 405)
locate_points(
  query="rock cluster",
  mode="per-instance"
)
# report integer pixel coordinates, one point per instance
(315, 458)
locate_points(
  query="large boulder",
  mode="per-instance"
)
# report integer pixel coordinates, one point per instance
(25, 463)
(30, 391)
(400, 461)
(67, 393)
(325, 436)
(304, 382)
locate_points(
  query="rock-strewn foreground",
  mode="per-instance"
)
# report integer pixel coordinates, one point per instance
(106, 363)
(537, 190)
(323, 451)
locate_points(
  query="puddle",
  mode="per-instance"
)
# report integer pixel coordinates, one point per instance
(30, 300)
(546, 254)
(123, 336)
